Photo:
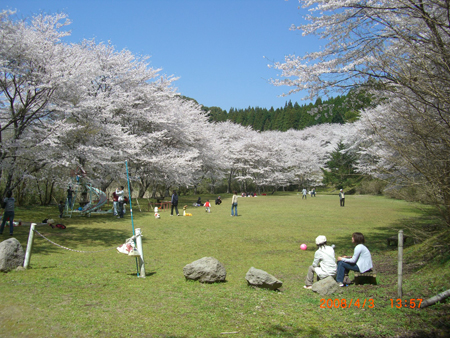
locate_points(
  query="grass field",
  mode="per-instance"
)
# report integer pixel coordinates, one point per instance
(97, 294)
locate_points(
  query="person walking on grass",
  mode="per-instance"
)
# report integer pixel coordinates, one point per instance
(324, 263)
(234, 203)
(174, 202)
(207, 206)
(361, 261)
(8, 205)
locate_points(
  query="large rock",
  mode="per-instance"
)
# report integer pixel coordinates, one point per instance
(11, 254)
(326, 286)
(205, 270)
(262, 279)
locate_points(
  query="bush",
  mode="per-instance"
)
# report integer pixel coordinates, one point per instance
(371, 187)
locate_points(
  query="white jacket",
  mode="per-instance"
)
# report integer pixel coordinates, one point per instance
(119, 194)
(324, 262)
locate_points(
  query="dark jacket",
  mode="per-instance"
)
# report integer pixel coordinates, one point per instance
(9, 203)
(174, 200)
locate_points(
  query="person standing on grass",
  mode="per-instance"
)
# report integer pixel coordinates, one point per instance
(174, 202)
(361, 261)
(304, 193)
(115, 203)
(120, 198)
(8, 205)
(234, 203)
(69, 196)
(341, 198)
(324, 263)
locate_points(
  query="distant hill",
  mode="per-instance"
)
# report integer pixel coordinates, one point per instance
(340, 109)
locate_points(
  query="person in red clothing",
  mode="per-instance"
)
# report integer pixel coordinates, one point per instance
(115, 203)
(207, 206)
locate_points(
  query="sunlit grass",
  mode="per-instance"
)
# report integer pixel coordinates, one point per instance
(97, 294)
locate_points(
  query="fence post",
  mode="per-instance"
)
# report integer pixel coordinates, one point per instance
(141, 252)
(400, 264)
(29, 246)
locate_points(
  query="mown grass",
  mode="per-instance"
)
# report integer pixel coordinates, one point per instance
(97, 294)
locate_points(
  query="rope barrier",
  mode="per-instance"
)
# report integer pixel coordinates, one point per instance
(63, 247)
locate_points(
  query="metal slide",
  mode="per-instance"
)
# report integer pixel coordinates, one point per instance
(102, 199)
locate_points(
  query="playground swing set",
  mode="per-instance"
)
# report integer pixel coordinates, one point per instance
(135, 241)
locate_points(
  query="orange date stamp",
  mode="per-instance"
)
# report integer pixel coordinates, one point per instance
(406, 303)
(344, 303)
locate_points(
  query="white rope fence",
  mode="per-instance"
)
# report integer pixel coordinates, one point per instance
(66, 248)
(137, 237)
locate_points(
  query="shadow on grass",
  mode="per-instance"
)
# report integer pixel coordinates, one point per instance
(79, 239)
(426, 229)
(147, 274)
(426, 224)
(289, 331)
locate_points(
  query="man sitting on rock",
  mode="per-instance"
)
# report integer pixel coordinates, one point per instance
(324, 263)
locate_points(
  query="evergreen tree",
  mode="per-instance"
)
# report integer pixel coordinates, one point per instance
(339, 170)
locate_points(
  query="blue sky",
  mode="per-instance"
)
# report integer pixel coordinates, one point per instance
(216, 48)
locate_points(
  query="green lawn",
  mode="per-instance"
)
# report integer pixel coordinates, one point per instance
(97, 294)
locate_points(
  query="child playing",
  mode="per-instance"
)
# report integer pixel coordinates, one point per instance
(207, 206)
(324, 263)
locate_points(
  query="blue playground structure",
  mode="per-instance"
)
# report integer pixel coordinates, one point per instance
(89, 198)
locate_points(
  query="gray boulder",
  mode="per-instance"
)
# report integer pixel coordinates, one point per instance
(326, 286)
(11, 254)
(262, 279)
(205, 270)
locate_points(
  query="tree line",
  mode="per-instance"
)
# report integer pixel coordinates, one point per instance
(340, 109)
(64, 106)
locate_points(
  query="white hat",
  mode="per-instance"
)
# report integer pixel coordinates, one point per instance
(320, 240)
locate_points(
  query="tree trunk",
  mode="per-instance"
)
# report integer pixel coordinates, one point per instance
(229, 181)
(167, 192)
(435, 299)
(213, 184)
(105, 185)
(39, 192)
(49, 200)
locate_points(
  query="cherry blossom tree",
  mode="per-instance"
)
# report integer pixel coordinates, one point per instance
(89, 105)
(32, 68)
(398, 52)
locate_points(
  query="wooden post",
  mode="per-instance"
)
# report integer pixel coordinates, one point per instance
(29, 246)
(141, 252)
(400, 264)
